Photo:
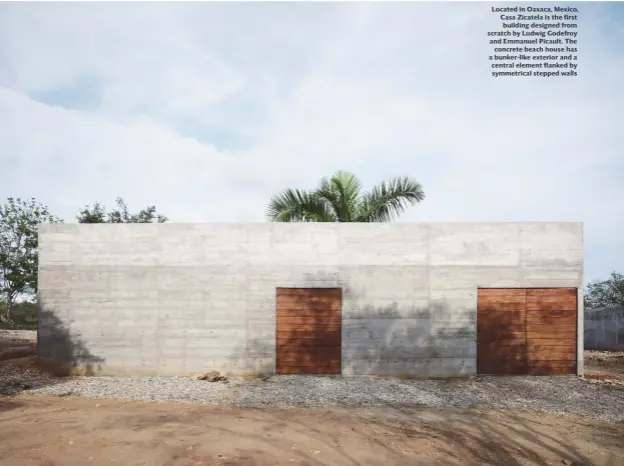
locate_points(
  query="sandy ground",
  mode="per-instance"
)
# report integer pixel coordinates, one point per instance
(37, 430)
(53, 431)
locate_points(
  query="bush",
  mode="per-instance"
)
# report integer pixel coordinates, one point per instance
(24, 316)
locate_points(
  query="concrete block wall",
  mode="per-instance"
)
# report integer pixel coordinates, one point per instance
(173, 299)
(604, 328)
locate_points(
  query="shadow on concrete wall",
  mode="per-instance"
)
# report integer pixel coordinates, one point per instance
(401, 340)
(441, 339)
(59, 352)
(408, 340)
(394, 340)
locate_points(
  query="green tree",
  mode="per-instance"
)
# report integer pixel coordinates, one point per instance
(342, 199)
(605, 293)
(98, 214)
(18, 249)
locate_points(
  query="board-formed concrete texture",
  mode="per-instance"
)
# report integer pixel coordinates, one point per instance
(175, 299)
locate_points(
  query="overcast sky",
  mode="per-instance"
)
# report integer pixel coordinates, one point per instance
(207, 109)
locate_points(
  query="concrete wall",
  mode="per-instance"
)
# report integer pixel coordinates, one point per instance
(604, 328)
(180, 298)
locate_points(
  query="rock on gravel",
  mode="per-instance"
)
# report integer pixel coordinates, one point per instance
(212, 376)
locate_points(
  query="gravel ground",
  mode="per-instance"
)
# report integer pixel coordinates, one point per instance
(558, 395)
(159, 389)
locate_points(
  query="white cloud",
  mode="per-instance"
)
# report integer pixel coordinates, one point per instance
(207, 109)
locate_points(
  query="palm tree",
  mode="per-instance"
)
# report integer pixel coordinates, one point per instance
(340, 199)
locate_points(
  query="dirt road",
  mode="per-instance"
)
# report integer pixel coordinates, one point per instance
(72, 431)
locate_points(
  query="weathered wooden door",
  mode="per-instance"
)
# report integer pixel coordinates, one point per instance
(551, 331)
(501, 331)
(527, 331)
(308, 330)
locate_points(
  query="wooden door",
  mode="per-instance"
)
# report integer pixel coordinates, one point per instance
(501, 331)
(308, 330)
(527, 331)
(551, 331)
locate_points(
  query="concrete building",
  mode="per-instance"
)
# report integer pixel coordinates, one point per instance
(423, 300)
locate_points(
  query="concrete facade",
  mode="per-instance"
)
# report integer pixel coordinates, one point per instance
(173, 299)
(604, 328)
